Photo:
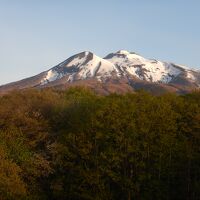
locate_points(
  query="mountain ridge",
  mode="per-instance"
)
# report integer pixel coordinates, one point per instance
(129, 67)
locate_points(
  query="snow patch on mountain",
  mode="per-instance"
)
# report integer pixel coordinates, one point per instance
(51, 75)
(191, 76)
(82, 66)
(145, 69)
(96, 66)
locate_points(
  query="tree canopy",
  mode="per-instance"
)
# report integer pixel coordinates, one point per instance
(75, 145)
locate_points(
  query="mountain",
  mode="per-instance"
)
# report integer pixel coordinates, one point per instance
(117, 72)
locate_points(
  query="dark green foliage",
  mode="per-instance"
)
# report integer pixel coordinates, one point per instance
(77, 145)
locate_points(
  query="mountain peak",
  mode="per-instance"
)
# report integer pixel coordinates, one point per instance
(87, 53)
(84, 65)
(123, 52)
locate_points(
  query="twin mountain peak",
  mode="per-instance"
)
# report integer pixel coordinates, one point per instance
(117, 72)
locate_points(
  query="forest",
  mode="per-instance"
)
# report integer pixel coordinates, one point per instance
(79, 145)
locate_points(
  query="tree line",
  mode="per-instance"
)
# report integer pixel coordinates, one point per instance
(75, 145)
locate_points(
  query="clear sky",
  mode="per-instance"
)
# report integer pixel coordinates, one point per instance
(35, 35)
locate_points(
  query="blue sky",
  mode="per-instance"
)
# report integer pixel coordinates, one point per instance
(35, 35)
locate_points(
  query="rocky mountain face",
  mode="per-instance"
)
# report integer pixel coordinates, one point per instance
(120, 72)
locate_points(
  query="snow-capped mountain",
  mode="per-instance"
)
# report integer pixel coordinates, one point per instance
(118, 68)
(87, 65)
(144, 69)
(84, 65)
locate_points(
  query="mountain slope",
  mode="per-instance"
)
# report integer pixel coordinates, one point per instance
(144, 69)
(116, 69)
(81, 66)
